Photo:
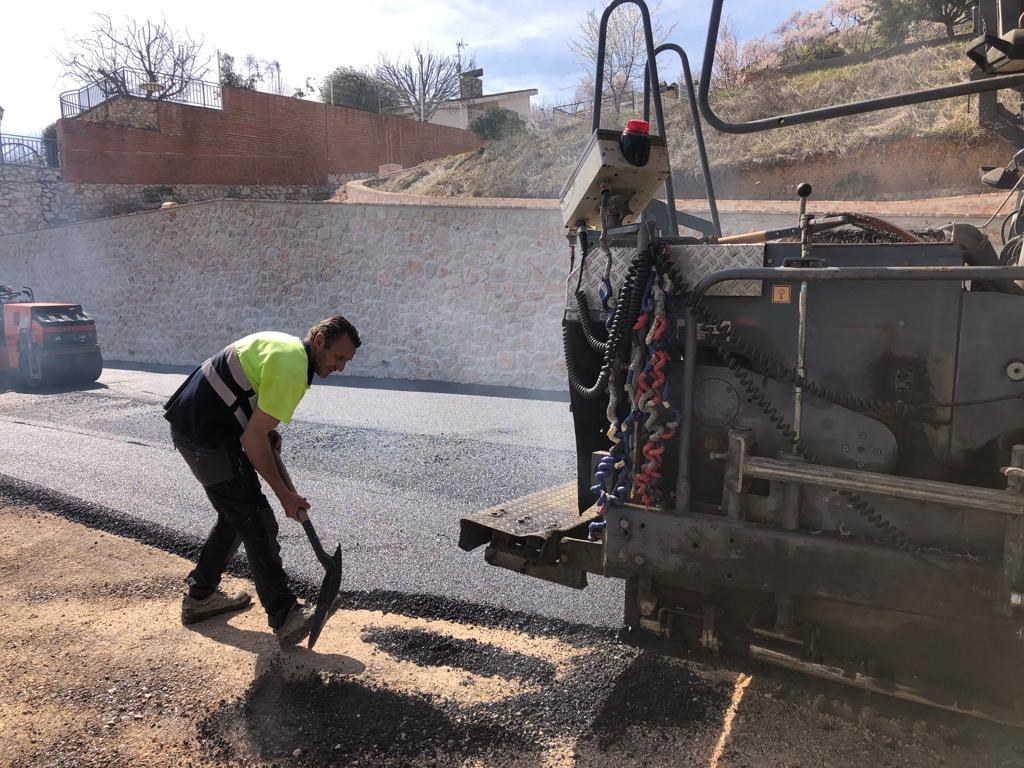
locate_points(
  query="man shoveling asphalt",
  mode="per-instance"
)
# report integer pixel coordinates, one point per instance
(223, 420)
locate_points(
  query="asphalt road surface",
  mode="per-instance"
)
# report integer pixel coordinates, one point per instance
(388, 474)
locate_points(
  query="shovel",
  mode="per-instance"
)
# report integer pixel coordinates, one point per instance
(332, 563)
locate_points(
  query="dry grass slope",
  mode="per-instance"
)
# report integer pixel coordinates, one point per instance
(536, 164)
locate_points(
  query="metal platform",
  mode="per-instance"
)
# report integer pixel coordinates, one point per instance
(523, 534)
(541, 516)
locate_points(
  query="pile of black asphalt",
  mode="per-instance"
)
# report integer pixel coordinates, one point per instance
(435, 649)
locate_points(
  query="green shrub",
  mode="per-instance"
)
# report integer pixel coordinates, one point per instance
(497, 123)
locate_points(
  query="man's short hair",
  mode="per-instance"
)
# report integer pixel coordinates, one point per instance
(333, 328)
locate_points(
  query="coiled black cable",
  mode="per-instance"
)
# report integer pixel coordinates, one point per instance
(1011, 218)
(590, 331)
(626, 310)
(887, 531)
(793, 378)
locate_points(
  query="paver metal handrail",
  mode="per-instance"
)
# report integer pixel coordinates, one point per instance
(136, 83)
(698, 132)
(29, 150)
(652, 70)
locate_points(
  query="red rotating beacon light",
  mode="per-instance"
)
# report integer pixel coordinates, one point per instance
(635, 142)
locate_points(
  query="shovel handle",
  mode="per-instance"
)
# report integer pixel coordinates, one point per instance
(283, 472)
(307, 526)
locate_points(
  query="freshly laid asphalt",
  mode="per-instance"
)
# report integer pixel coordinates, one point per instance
(388, 473)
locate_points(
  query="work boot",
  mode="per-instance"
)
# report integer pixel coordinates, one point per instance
(299, 622)
(214, 604)
(296, 625)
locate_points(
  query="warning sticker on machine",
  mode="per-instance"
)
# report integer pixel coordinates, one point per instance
(781, 294)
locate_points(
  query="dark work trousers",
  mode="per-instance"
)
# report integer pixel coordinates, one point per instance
(243, 517)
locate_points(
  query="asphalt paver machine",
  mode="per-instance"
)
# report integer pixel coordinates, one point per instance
(46, 343)
(798, 446)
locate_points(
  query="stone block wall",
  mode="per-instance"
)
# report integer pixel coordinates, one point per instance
(28, 197)
(447, 294)
(125, 112)
(34, 198)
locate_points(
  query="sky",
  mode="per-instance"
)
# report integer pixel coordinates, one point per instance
(519, 44)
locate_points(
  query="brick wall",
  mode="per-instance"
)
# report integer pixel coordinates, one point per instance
(257, 138)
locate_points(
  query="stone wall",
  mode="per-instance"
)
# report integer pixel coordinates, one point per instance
(28, 197)
(34, 198)
(126, 113)
(447, 294)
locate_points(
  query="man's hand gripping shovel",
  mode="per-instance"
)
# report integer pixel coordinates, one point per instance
(332, 563)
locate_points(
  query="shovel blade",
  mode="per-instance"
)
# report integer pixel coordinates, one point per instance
(325, 600)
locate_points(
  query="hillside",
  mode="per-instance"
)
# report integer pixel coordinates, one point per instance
(536, 164)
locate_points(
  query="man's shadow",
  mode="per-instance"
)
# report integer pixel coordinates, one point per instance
(295, 661)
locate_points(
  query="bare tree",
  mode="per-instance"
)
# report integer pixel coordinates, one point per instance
(625, 52)
(253, 68)
(274, 68)
(119, 57)
(422, 82)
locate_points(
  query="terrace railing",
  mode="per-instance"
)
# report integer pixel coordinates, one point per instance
(131, 82)
(29, 150)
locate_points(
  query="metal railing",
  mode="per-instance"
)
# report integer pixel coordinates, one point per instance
(132, 82)
(29, 150)
(631, 102)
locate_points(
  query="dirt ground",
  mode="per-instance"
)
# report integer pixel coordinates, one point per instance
(96, 670)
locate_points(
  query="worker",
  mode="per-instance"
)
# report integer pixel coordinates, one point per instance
(223, 422)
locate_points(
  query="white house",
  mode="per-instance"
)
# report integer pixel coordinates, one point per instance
(472, 103)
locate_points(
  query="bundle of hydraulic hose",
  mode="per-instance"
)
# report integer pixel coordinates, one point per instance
(632, 468)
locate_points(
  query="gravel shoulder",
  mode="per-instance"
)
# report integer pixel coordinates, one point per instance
(96, 670)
